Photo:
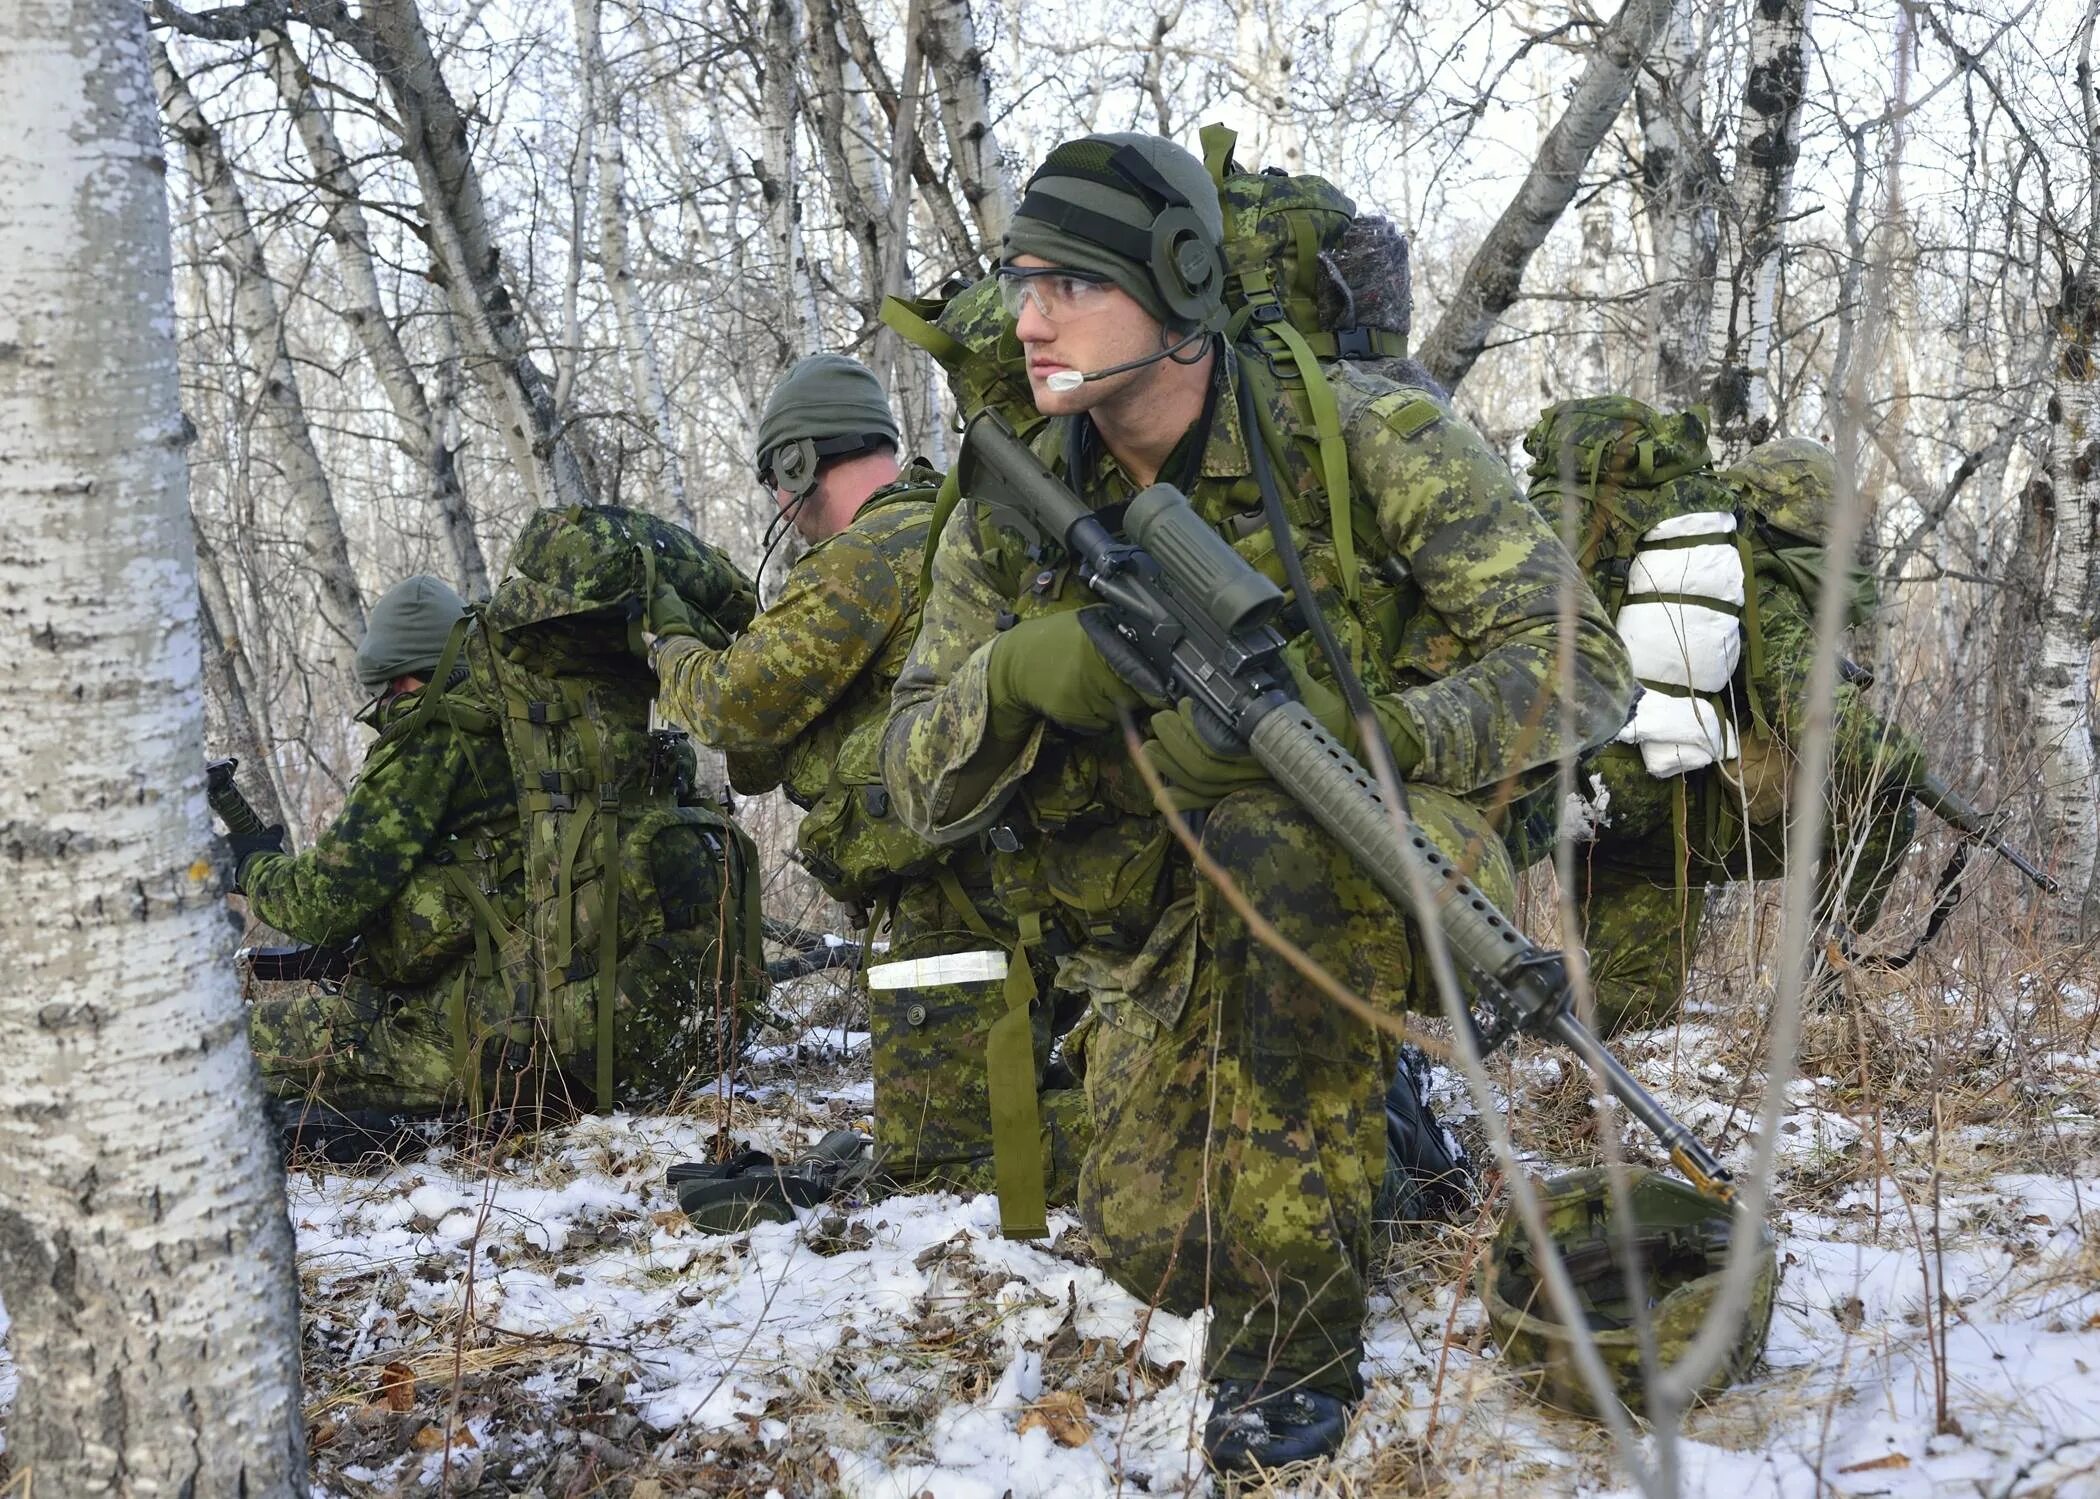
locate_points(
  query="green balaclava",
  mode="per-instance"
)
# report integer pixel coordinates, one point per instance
(830, 401)
(1136, 209)
(407, 631)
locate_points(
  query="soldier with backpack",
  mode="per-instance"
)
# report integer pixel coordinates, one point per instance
(798, 701)
(1238, 1135)
(540, 911)
(1713, 578)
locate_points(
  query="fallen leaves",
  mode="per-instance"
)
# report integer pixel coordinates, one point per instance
(1878, 1464)
(397, 1388)
(1063, 1415)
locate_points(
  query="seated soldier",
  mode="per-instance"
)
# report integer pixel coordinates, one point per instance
(799, 701)
(1643, 879)
(422, 876)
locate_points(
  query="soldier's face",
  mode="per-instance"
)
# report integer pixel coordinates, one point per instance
(1107, 327)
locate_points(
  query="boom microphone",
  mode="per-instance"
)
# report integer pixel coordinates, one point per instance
(1065, 380)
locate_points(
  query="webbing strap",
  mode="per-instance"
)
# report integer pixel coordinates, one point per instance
(608, 938)
(466, 1056)
(959, 898)
(1753, 637)
(1217, 142)
(944, 503)
(906, 322)
(1334, 453)
(1017, 1129)
(434, 690)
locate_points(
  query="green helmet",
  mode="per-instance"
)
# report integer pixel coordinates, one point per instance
(826, 406)
(407, 630)
(1790, 483)
(1682, 1240)
(1136, 210)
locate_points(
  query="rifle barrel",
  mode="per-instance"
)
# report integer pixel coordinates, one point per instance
(1955, 810)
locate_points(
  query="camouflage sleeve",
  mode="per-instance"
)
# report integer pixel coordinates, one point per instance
(1494, 573)
(840, 605)
(946, 774)
(1864, 747)
(395, 812)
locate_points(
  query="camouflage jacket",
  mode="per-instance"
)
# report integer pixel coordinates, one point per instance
(433, 795)
(1457, 617)
(799, 699)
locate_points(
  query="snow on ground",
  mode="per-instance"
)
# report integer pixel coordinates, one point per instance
(550, 1311)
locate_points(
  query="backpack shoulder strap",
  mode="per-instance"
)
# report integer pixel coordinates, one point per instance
(1327, 431)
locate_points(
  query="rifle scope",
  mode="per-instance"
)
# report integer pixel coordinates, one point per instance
(1200, 563)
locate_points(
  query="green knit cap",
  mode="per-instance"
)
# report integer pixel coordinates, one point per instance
(1092, 204)
(825, 398)
(407, 630)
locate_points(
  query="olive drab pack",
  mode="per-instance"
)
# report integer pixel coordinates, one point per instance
(639, 946)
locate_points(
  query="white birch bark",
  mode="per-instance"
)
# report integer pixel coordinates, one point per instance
(965, 255)
(1494, 278)
(1263, 64)
(145, 1250)
(1592, 372)
(366, 313)
(1678, 196)
(616, 263)
(965, 92)
(2061, 696)
(279, 412)
(779, 104)
(1766, 147)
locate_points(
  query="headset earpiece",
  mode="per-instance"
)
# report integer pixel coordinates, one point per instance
(1187, 268)
(795, 467)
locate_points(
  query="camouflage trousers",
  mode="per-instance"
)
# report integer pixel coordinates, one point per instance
(933, 1112)
(1642, 891)
(368, 1046)
(1239, 1133)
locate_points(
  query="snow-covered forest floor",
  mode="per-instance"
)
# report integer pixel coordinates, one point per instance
(544, 1321)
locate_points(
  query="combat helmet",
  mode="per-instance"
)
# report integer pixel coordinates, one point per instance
(1682, 1239)
(1790, 483)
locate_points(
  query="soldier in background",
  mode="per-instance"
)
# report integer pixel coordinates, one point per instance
(799, 702)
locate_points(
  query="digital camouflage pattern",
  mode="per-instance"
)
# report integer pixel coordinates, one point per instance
(1682, 1238)
(385, 1041)
(1463, 629)
(426, 864)
(1643, 889)
(799, 701)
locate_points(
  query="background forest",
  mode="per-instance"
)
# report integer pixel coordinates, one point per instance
(438, 265)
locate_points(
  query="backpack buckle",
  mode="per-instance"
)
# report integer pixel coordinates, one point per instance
(1353, 342)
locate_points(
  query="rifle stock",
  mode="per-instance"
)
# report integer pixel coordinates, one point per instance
(1202, 616)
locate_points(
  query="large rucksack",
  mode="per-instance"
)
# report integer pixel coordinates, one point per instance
(637, 965)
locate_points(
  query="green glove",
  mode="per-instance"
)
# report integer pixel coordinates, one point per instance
(1053, 667)
(668, 614)
(1186, 742)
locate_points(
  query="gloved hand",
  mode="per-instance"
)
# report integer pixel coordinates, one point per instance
(1070, 668)
(1198, 754)
(245, 846)
(668, 615)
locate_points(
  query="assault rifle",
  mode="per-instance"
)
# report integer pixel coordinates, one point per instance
(223, 795)
(808, 952)
(302, 962)
(1203, 619)
(1956, 810)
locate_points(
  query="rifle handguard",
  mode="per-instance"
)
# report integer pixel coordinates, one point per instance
(223, 795)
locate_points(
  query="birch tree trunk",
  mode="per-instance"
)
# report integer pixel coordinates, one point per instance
(1262, 60)
(1766, 149)
(279, 413)
(965, 92)
(637, 340)
(779, 104)
(1678, 195)
(965, 254)
(1494, 277)
(2061, 695)
(367, 316)
(145, 1250)
(231, 680)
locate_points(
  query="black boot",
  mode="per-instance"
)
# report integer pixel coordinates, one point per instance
(1427, 1176)
(1254, 1424)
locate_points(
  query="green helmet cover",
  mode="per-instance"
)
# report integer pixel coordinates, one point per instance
(407, 630)
(1790, 483)
(1137, 210)
(1682, 1238)
(824, 397)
